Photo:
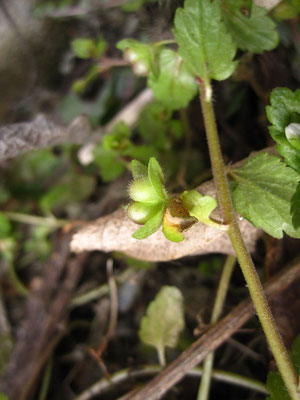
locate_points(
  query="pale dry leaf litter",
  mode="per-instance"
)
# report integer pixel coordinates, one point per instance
(114, 233)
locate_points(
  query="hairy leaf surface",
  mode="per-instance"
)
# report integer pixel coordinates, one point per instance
(203, 41)
(295, 207)
(255, 32)
(164, 320)
(175, 85)
(262, 190)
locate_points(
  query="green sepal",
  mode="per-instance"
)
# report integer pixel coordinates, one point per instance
(156, 177)
(150, 226)
(138, 169)
(172, 232)
(198, 206)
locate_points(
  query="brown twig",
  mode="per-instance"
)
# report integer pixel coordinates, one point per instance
(113, 291)
(42, 328)
(212, 339)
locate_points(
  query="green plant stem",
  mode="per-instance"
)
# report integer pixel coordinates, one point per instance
(35, 220)
(203, 393)
(254, 285)
(46, 379)
(18, 284)
(122, 376)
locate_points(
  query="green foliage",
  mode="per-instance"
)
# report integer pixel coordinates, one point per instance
(151, 226)
(275, 383)
(38, 245)
(252, 31)
(3, 396)
(284, 111)
(292, 132)
(164, 320)
(142, 57)
(204, 44)
(197, 205)
(83, 47)
(175, 85)
(295, 207)
(287, 9)
(87, 48)
(200, 207)
(134, 5)
(72, 189)
(156, 178)
(112, 153)
(7, 240)
(262, 190)
(157, 127)
(5, 226)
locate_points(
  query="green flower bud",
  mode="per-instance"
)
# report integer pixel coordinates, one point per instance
(292, 132)
(143, 191)
(140, 213)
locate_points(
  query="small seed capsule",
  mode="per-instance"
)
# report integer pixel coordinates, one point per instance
(143, 191)
(140, 213)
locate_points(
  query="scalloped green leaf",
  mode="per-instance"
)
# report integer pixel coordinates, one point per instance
(295, 207)
(204, 43)
(283, 111)
(172, 232)
(254, 31)
(164, 321)
(175, 85)
(262, 191)
(150, 226)
(156, 177)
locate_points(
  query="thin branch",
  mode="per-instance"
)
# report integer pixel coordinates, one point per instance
(212, 339)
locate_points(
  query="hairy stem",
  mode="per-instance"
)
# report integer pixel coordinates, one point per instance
(254, 285)
(203, 393)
